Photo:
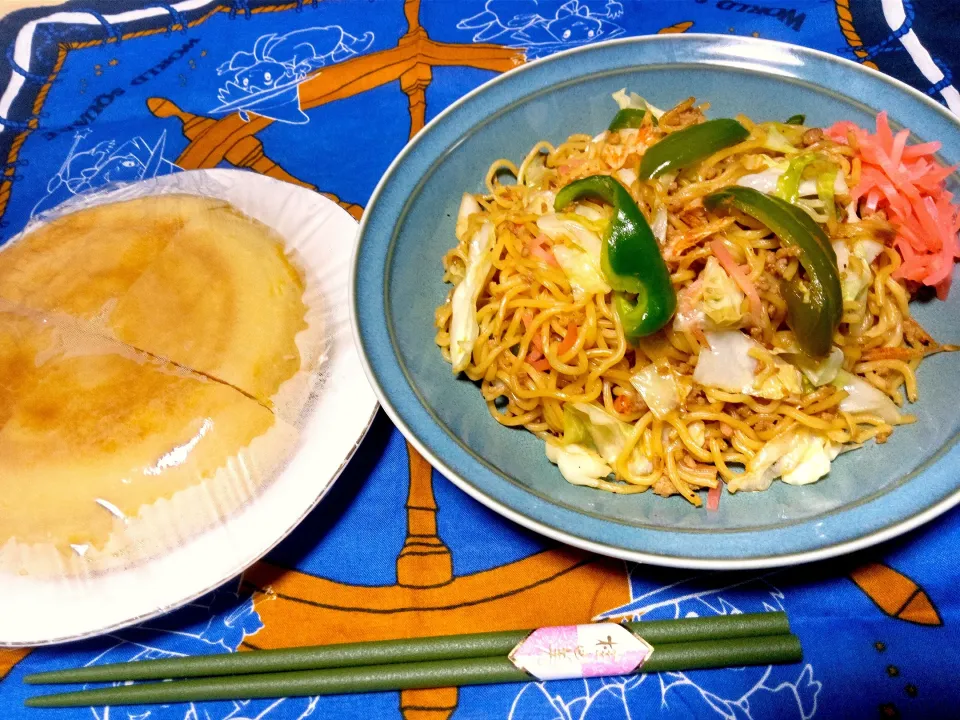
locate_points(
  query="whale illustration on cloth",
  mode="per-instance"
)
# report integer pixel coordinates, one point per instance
(265, 81)
(105, 163)
(545, 25)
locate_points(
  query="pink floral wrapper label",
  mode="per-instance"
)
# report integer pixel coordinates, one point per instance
(581, 651)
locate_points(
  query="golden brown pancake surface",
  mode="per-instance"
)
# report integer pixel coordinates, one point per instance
(141, 344)
(93, 431)
(186, 278)
(236, 311)
(80, 263)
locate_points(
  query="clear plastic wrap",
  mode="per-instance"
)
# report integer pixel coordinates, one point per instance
(176, 273)
(111, 455)
(161, 352)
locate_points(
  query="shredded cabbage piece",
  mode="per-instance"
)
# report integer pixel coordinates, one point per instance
(864, 397)
(867, 250)
(626, 176)
(463, 322)
(580, 261)
(582, 272)
(666, 180)
(775, 163)
(607, 433)
(577, 464)
(468, 206)
(659, 224)
(851, 211)
(813, 209)
(591, 212)
(625, 101)
(854, 265)
(776, 142)
(535, 171)
(574, 427)
(788, 186)
(766, 181)
(808, 188)
(720, 297)
(658, 388)
(540, 203)
(809, 461)
(593, 427)
(573, 229)
(798, 457)
(826, 191)
(728, 365)
(819, 371)
(843, 254)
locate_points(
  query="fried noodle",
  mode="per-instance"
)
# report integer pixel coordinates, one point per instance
(529, 367)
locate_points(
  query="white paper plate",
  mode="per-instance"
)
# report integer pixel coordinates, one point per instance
(37, 612)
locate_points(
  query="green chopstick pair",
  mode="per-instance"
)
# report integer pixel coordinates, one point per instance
(391, 665)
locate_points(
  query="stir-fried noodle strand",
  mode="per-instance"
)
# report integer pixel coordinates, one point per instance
(544, 344)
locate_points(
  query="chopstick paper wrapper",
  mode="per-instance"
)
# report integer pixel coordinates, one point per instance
(581, 651)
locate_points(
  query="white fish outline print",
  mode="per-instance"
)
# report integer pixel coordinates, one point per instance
(265, 81)
(545, 26)
(106, 162)
(734, 694)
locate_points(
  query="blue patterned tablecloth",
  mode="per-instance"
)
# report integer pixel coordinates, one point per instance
(121, 90)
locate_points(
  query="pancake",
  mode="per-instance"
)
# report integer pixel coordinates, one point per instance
(237, 308)
(94, 432)
(187, 279)
(22, 341)
(80, 263)
(155, 355)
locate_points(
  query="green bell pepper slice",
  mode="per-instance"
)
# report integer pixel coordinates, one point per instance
(798, 119)
(690, 145)
(811, 226)
(629, 258)
(814, 307)
(629, 118)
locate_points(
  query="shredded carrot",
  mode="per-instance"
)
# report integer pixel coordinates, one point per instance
(623, 404)
(536, 248)
(537, 343)
(569, 339)
(909, 186)
(700, 336)
(536, 355)
(739, 277)
(542, 365)
(713, 497)
(571, 165)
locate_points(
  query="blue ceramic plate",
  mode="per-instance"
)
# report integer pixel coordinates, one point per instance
(870, 495)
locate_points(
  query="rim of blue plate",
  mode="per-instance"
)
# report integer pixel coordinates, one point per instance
(907, 505)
